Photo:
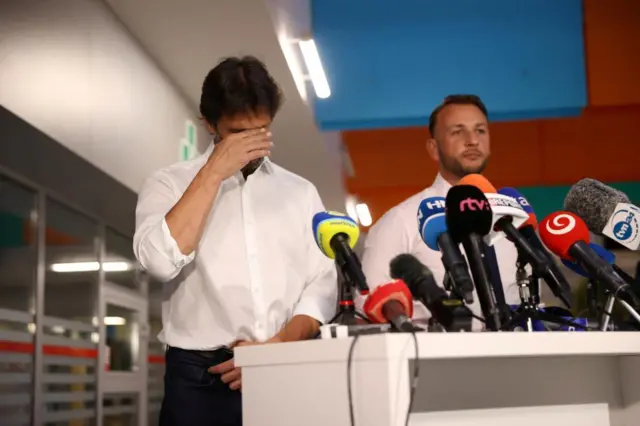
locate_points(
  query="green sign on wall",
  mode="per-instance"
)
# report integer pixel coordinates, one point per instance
(189, 142)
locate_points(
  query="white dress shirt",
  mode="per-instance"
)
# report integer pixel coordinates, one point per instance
(255, 267)
(397, 232)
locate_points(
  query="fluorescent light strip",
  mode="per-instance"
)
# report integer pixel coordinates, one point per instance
(314, 68)
(90, 266)
(114, 321)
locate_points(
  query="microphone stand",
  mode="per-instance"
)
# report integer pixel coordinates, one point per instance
(347, 314)
(529, 311)
(608, 310)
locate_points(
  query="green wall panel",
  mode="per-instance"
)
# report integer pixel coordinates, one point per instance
(548, 199)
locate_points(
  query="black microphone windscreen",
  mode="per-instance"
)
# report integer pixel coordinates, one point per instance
(405, 266)
(594, 202)
(467, 211)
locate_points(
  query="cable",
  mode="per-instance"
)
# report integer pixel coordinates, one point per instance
(414, 379)
(479, 318)
(349, 362)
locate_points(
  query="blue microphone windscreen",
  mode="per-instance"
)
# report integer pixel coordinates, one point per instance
(604, 254)
(432, 221)
(513, 193)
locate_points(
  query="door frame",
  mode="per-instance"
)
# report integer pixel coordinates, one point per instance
(134, 382)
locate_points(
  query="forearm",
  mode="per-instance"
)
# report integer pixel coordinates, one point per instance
(300, 327)
(188, 216)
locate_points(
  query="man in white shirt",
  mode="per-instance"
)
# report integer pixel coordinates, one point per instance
(229, 233)
(460, 144)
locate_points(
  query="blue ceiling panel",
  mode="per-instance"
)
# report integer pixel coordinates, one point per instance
(389, 63)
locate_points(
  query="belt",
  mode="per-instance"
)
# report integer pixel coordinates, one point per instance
(222, 352)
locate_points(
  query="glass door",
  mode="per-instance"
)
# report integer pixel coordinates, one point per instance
(123, 384)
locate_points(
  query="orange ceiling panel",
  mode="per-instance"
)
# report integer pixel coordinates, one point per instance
(612, 43)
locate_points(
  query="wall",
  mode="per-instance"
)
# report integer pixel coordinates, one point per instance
(73, 71)
(389, 64)
(541, 157)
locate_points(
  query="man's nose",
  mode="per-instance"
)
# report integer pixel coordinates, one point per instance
(470, 139)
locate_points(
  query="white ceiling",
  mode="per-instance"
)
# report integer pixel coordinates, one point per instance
(188, 37)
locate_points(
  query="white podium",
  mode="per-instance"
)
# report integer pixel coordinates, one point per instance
(465, 379)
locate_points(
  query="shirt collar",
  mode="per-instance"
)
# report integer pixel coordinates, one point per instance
(440, 185)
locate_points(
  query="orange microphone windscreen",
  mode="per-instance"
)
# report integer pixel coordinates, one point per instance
(479, 182)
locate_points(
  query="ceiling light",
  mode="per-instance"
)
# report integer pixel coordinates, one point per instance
(363, 214)
(114, 321)
(314, 68)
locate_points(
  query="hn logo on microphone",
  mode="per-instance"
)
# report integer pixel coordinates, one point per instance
(474, 205)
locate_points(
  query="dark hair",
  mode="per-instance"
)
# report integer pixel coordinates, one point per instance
(455, 100)
(238, 86)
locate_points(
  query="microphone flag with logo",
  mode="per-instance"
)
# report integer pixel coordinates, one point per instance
(501, 206)
(432, 225)
(469, 219)
(532, 220)
(560, 230)
(432, 221)
(467, 212)
(336, 234)
(567, 235)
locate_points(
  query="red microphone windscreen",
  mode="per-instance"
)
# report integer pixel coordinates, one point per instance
(396, 290)
(479, 182)
(560, 230)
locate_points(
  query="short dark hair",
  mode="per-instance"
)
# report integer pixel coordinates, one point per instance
(238, 86)
(455, 100)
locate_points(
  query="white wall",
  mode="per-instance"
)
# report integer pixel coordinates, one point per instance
(72, 70)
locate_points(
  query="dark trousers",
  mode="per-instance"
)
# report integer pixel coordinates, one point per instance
(195, 397)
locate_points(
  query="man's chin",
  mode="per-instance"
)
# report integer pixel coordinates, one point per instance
(474, 167)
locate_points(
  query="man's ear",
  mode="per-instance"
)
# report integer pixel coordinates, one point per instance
(432, 149)
(209, 127)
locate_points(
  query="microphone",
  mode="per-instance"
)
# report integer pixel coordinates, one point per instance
(391, 303)
(606, 211)
(608, 257)
(469, 219)
(449, 312)
(567, 236)
(336, 234)
(501, 206)
(432, 225)
(552, 275)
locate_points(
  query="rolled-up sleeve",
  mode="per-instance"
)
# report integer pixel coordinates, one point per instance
(319, 297)
(154, 247)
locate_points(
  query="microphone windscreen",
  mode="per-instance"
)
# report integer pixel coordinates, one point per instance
(513, 193)
(408, 268)
(396, 290)
(327, 225)
(467, 211)
(479, 182)
(432, 221)
(560, 230)
(594, 202)
(604, 254)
